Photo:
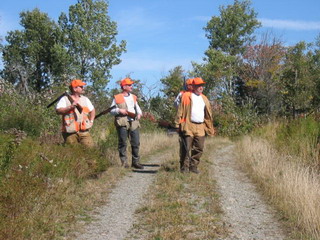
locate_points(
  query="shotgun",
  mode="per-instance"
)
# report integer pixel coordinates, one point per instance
(57, 99)
(105, 112)
(70, 99)
(78, 106)
(132, 115)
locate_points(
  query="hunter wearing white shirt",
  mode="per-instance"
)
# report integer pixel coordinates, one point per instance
(127, 114)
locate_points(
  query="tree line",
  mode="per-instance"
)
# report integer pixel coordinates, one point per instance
(248, 79)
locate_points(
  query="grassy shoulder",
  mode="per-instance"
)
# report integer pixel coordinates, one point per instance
(282, 161)
(182, 206)
(46, 189)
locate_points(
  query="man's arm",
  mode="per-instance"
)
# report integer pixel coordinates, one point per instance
(62, 107)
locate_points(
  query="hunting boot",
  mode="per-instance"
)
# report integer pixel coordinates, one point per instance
(194, 169)
(124, 163)
(137, 165)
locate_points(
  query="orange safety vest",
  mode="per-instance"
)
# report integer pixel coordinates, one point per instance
(119, 98)
(74, 121)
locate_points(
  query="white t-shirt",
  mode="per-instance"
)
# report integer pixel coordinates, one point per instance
(130, 104)
(63, 103)
(197, 108)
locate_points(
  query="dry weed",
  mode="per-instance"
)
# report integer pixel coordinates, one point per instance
(293, 188)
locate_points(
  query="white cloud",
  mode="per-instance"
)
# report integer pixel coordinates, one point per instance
(290, 24)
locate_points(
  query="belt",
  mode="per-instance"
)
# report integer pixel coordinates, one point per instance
(197, 122)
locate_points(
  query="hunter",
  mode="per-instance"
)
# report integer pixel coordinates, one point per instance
(177, 101)
(127, 114)
(78, 114)
(194, 121)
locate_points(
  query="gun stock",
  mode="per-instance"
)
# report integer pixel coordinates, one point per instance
(77, 106)
(132, 115)
(105, 112)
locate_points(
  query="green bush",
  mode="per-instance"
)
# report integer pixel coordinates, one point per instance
(235, 120)
(26, 114)
(300, 137)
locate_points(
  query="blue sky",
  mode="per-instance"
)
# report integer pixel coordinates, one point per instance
(162, 34)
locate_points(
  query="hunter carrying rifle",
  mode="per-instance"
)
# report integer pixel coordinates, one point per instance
(127, 114)
(78, 115)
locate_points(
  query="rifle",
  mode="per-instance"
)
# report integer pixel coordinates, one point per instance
(132, 115)
(70, 99)
(78, 106)
(105, 112)
(185, 83)
(57, 99)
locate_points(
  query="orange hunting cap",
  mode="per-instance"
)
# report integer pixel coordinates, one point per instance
(198, 81)
(189, 81)
(77, 83)
(126, 81)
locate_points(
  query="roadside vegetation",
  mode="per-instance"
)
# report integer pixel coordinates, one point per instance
(283, 158)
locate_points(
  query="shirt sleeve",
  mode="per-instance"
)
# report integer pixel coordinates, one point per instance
(177, 101)
(62, 103)
(114, 111)
(138, 109)
(89, 104)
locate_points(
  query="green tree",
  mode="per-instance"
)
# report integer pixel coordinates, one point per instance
(297, 83)
(228, 35)
(90, 37)
(233, 29)
(315, 73)
(172, 85)
(28, 62)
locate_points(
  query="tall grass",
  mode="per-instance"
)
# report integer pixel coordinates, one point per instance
(299, 137)
(283, 159)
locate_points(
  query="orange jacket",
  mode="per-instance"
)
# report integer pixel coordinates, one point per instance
(183, 116)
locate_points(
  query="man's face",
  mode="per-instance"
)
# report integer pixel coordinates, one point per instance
(189, 87)
(78, 89)
(198, 89)
(127, 88)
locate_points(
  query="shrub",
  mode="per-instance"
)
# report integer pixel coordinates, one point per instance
(235, 120)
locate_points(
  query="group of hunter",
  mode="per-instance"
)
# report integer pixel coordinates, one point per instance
(193, 121)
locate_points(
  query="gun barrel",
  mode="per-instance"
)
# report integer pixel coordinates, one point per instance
(105, 112)
(56, 100)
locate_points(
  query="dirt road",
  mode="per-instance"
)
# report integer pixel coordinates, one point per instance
(246, 214)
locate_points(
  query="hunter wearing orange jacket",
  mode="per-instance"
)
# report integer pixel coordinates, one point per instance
(194, 120)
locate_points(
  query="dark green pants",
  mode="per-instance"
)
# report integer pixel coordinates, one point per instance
(191, 149)
(134, 137)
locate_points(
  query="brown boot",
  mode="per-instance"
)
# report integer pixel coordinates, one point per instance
(124, 164)
(137, 165)
(194, 169)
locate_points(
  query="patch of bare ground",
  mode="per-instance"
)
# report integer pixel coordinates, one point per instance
(247, 215)
(113, 220)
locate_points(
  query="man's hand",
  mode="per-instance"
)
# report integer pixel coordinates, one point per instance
(123, 112)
